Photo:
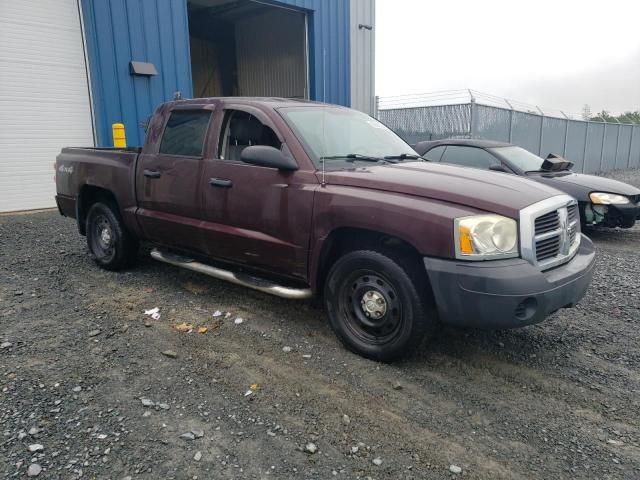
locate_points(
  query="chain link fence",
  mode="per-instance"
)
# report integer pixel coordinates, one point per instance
(593, 147)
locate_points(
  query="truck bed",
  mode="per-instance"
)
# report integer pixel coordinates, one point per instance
(89, 169)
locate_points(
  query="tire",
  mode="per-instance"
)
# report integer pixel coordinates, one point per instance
(112, 246)
(627, 222)
(376, 305)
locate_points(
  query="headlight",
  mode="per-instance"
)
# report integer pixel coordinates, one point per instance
(600, 198)
(485, 237)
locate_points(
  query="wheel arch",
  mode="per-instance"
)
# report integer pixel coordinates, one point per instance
(342, 240)
(88, 196)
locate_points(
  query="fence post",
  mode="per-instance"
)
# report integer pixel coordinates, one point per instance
(604, 138)
(566, 134)
(510, 120)
(474, 115)
(633, 130)
(376, 106)
(541, 130)
(615, 157)
(584, 150)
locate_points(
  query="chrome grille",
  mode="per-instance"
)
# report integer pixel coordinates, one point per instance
(547, 248)
(574, 219)
(549, 231)
(547, 222)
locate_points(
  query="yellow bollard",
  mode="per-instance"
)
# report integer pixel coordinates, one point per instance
(119, 135)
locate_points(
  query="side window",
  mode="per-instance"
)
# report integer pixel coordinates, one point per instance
(469, 157)
(185, 133)
(435, 154)
(241, 130)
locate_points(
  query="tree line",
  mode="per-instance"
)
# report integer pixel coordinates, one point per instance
(604, 116)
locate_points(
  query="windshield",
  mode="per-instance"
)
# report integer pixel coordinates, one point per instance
(340, 132)
(520, 158)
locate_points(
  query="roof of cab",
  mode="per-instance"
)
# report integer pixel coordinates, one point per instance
(273, 102)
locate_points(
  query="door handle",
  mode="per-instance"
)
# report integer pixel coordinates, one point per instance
(220, 182)
(152, 173)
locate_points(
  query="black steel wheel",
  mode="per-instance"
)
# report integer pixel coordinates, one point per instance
(112, 247)
(375, 305)
(371, 307)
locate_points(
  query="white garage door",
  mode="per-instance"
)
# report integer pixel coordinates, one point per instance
(44, 98)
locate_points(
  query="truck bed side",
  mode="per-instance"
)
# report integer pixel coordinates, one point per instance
(86, 174)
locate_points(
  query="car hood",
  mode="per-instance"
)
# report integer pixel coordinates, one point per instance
(489, 191)
(581, 185)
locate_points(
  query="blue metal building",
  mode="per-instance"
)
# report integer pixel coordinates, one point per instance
(144, 52)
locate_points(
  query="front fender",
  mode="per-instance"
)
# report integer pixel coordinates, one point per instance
(425, 224)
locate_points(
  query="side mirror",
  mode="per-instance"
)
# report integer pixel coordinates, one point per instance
(266, 156)
(499, 168)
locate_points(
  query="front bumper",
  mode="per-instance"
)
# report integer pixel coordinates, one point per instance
(507, 293)
(614, 215)
(624, 214)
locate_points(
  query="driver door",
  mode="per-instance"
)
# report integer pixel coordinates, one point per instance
(255, 216)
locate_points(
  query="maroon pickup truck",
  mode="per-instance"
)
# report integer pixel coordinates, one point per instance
(297, 198)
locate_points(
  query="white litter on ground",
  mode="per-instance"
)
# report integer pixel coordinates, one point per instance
(154, 312)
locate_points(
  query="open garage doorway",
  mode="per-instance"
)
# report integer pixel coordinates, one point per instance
(248, 48)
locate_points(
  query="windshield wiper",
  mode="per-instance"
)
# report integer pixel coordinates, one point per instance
(405, 156)
(350, 157)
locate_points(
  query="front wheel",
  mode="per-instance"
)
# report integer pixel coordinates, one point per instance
(113, 248)
(375, 305)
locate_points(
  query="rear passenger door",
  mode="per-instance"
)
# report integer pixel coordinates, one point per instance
(168, 181)
(469, 157)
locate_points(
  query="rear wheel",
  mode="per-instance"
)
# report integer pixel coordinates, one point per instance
(112, 247)
(375, 305)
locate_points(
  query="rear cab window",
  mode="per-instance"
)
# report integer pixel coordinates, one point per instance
(185, 133)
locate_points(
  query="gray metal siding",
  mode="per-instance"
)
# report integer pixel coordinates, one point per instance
(362, 12)
(592, 146)
(271, 54)
(329, 49)
(205, 69)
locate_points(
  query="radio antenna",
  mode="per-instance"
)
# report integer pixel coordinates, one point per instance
(324, 99)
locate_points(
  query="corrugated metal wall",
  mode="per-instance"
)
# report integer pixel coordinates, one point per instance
(156, 31)
(205, 70)
(118, 31)
(362, 15)
(271, 55)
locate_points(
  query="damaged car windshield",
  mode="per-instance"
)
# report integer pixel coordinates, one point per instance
(341, 136)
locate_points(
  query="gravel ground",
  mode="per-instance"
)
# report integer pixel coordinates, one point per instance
(86, 390)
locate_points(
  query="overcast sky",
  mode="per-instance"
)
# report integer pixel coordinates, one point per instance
(554, 53)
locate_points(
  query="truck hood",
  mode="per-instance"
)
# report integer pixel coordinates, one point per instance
(493, 192)
(580, 185)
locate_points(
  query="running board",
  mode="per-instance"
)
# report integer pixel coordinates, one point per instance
(237, 278)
